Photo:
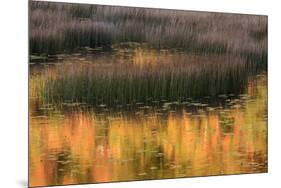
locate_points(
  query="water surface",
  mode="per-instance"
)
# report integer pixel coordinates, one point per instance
(78, 143)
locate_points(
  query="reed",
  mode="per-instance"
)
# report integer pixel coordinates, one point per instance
(60, 27)
(238, 41)
(128, 84)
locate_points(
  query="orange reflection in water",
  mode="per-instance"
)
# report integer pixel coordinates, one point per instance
(81, 146)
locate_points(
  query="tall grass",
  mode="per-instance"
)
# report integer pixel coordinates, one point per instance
(125, 83)
(240, 42)
(60, 27)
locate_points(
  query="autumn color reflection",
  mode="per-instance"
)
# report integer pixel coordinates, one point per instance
(76, 145)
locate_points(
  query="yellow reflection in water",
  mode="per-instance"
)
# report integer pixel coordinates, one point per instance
(82, 146)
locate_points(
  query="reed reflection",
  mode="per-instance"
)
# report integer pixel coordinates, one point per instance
(81, 145)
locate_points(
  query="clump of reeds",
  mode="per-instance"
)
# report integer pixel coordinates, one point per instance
(126, 83)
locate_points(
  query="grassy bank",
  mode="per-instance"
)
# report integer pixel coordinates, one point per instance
(60, 27)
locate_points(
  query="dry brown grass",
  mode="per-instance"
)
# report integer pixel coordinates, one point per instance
(58, 27)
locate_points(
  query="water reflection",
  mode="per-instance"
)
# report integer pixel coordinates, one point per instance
(77, 144)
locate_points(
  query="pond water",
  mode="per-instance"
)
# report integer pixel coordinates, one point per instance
(79, 143)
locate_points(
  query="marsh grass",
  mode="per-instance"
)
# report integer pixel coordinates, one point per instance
(238, 41)
(128, 84)
(61, 27)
